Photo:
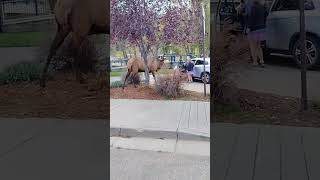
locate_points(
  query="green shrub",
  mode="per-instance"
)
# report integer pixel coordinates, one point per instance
(25, 71)
(116, 84)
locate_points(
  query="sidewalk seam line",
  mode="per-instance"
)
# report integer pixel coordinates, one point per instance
(25, 141)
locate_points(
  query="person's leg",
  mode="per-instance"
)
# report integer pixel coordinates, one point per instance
(252, 45)
(259, 52)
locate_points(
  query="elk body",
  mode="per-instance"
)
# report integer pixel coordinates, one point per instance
(136, 65)
(80, 18)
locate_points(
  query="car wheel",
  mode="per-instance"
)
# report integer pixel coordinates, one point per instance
(205, 77)
(313, 52)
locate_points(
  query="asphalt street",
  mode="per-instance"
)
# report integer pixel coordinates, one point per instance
(150, 165)
(279, 77)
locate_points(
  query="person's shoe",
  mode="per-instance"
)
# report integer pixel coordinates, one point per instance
(262, 65)
(255, 64)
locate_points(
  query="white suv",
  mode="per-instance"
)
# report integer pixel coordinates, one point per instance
(283, 28)
(199, 72)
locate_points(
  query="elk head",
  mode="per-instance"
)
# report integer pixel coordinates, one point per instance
(161, 63)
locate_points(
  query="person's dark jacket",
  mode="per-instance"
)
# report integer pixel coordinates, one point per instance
(257, 17)
(190, 66)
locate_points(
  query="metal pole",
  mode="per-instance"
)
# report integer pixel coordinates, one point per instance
(304, 99)
(203, 48)
(36, 7)
(1, 15)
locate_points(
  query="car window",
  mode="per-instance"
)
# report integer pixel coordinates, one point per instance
(285, 5)
(199, 62)
(308, 5)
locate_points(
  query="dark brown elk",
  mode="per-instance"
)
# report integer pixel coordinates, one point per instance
(80, 18)
(136, 65)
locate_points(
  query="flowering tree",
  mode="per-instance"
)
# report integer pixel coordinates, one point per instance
(136, 21)
(149, 24)
(187, 31)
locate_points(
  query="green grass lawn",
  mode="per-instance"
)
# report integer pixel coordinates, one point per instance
(21, 39)
(118, 72)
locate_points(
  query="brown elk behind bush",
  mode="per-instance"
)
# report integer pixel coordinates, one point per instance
(136, 65)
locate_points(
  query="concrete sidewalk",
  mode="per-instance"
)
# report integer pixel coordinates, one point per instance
(265, 152)
(51, 149)
(160, 118)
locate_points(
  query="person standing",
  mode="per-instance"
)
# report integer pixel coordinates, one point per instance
(189, 69)
(256, 31)
(241, 13)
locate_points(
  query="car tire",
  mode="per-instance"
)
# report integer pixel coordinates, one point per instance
(313, 46)
(205, 77)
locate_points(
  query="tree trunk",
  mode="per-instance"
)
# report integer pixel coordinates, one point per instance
(156, 51)
(124, 53)
(144, 54)
(186, 48)
(135, 52)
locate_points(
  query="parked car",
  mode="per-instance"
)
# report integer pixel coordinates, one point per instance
(199, 72)
(283, 28)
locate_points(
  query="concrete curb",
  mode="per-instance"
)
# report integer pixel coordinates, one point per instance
(156, 134)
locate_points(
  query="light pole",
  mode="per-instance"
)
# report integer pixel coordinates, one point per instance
(203, 49)
(304, 98)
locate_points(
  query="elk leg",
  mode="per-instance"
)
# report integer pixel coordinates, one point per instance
(58, 40)
(125, 79)
(81, 26)
(132, 76)
(134, 82)
(154, 77)
(78, 42)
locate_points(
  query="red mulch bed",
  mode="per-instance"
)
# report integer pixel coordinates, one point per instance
(65, 98)
(146, 92)
(62, 98)
(141, 92)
